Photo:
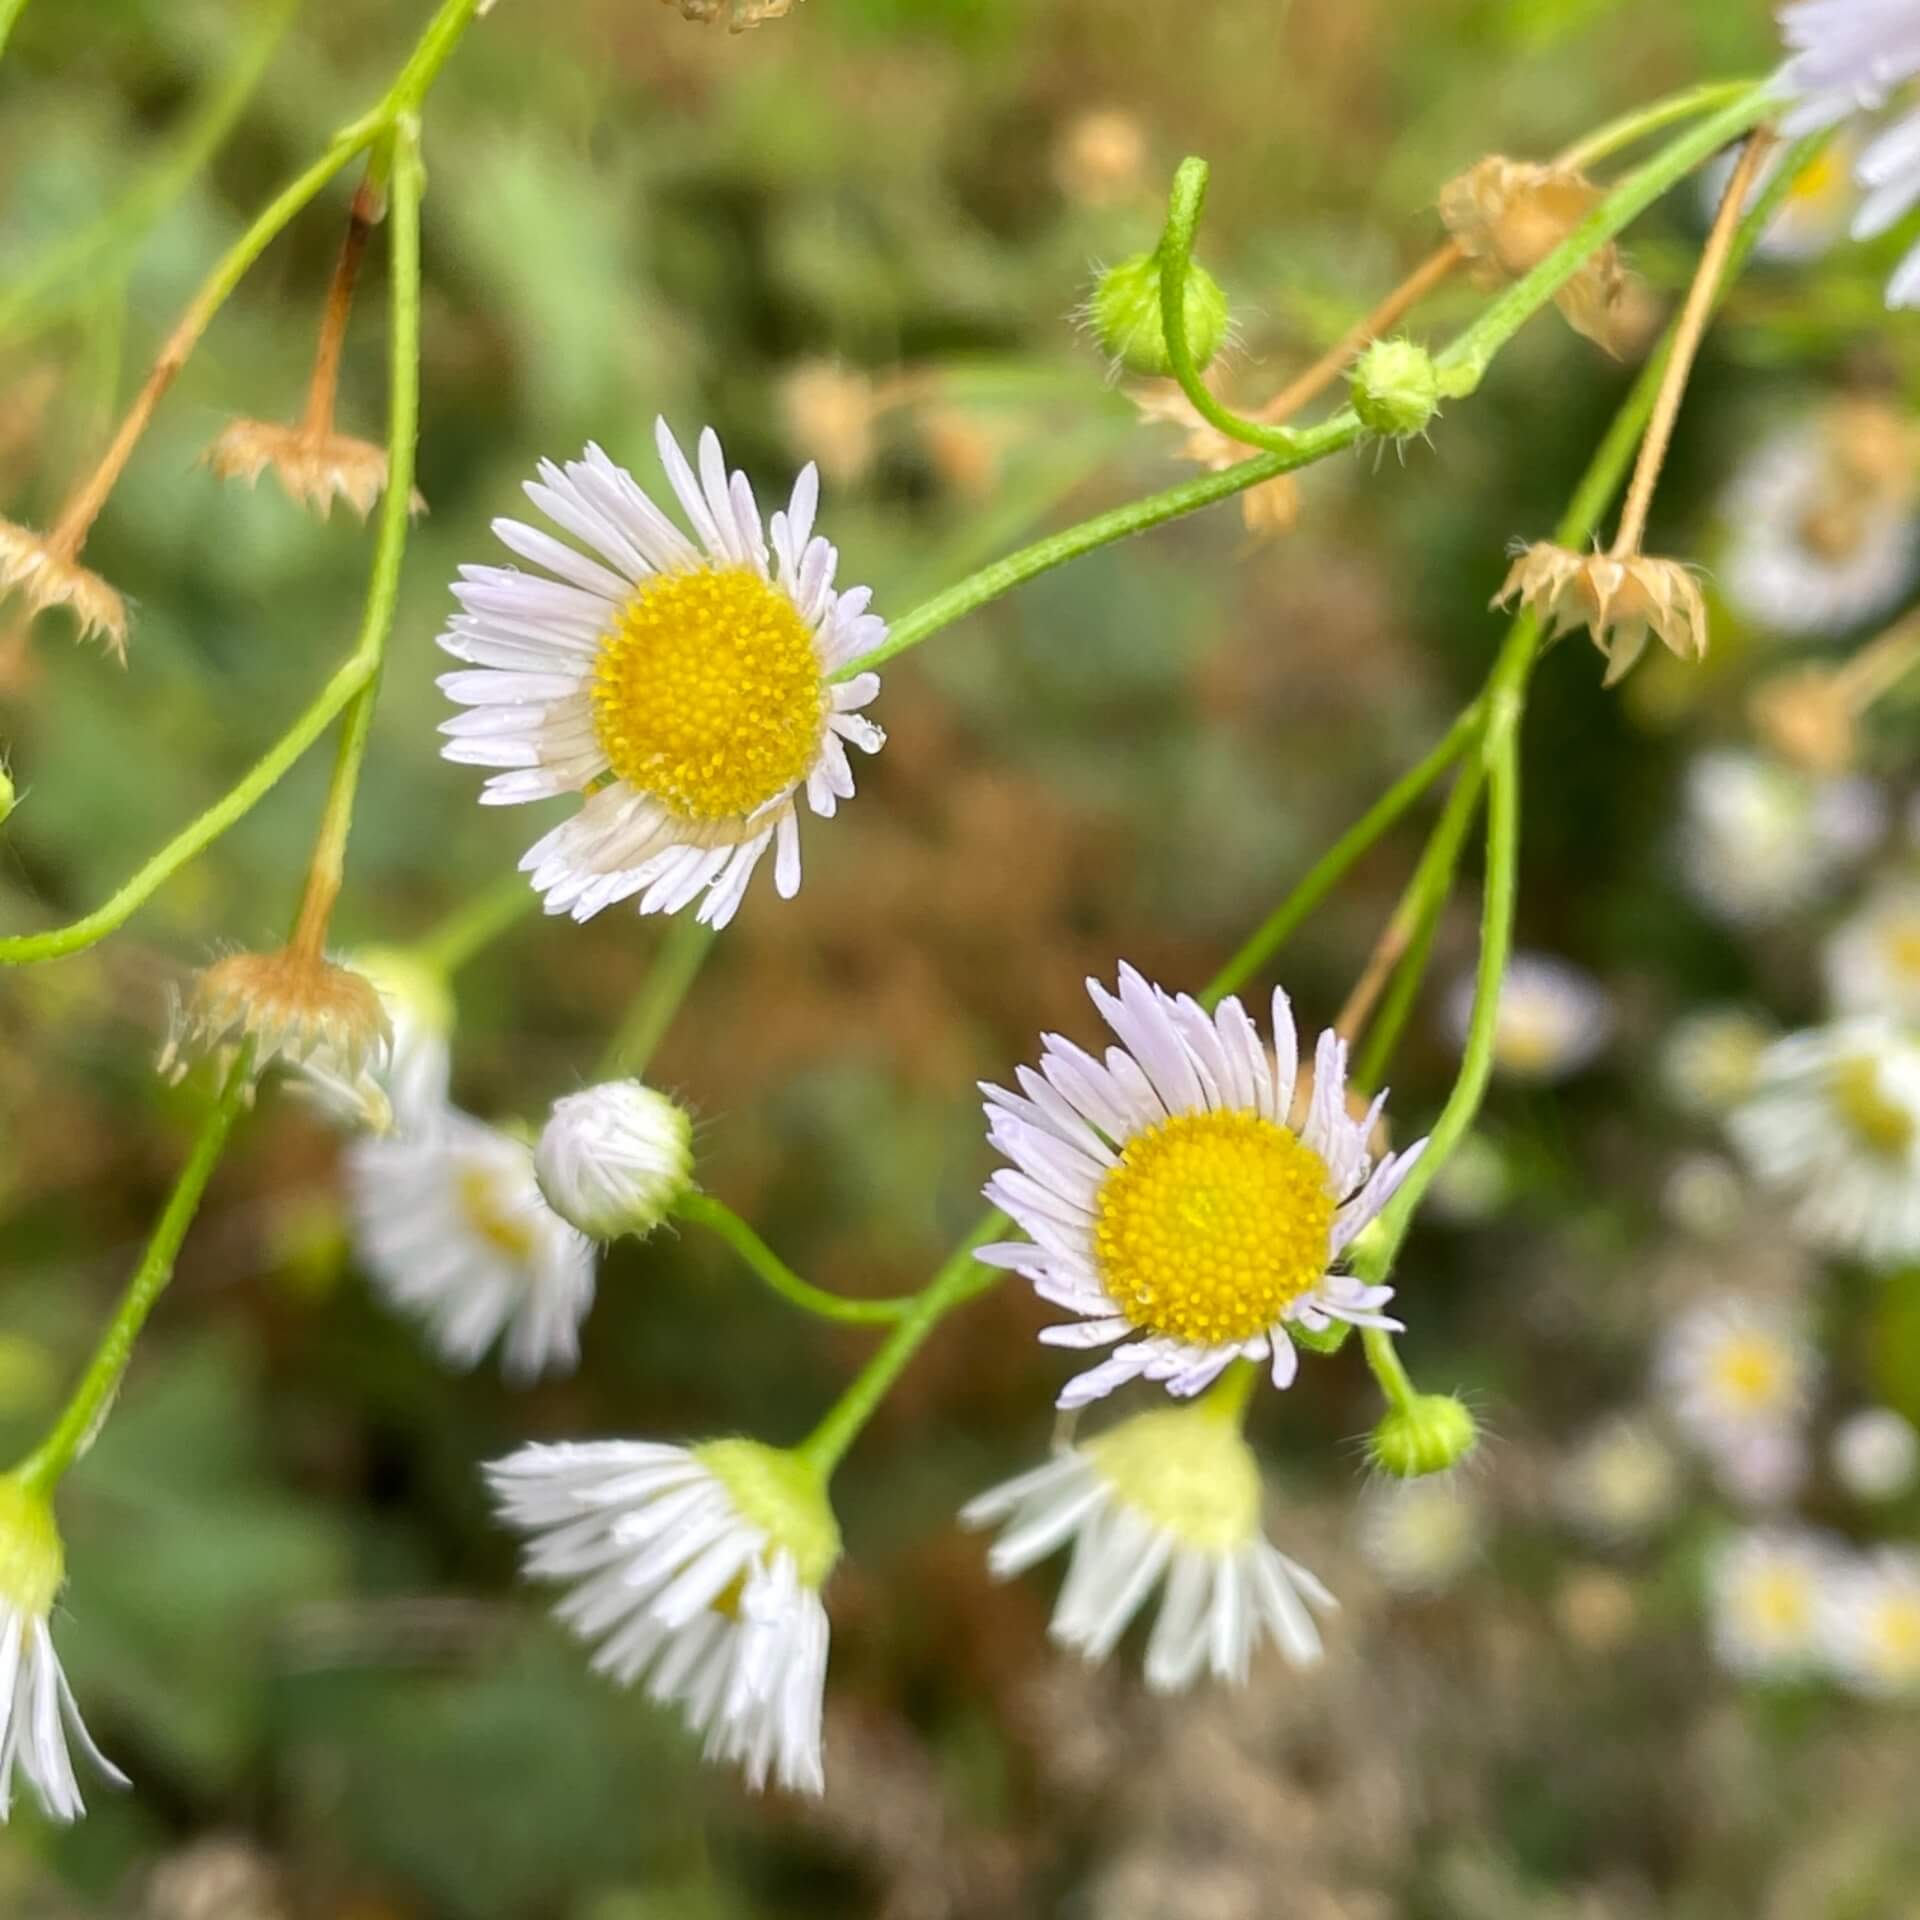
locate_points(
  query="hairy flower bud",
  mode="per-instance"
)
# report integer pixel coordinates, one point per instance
(1396, 388)
(1429, 1434)
(1124, 315)
(614, 1158)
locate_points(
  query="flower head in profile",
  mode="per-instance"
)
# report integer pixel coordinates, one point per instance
(1848, 57)
(1737, 1373)
(613, 1159)
(1174, 1202)
(1620, 601)
(1873, 1624)
(1552, 1021)
(454, 1231)
(38, 1714)
(1769, 1590)
(289, 1005)
(407, 1090)
(1508, 215)
(697, 1569)
(686, 686)
(314, 463)
(1872, 961)
(1171, 1496)
(1833, 1126)
(37, 567)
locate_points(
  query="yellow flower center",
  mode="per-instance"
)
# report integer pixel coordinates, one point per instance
(1902, 947)
(708, 694)
(1896, 1637)
(1753, 1372)
(1779, 1604)
(1211, 1224)
(497, 1223)
(1880, 1124)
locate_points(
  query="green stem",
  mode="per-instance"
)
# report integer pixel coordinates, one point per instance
(10, 11)
(80, 1419)
(1229, 1396)
(1636, 125)
(1395, 1383)
(431, 53)
(719, 1218)
(675, 968)
(119, 229)
(476, 924)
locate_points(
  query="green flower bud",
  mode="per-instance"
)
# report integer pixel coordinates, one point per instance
(1396, 388)
(1431, 1433)
(1124, 315)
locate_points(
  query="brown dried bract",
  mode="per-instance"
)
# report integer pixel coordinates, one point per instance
(1508, 215)
(315, 467)
(739, 14)
(30, 567)
(1619, 601)
(1267, 510)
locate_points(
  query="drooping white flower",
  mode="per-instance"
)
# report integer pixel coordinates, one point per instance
(1768, 1594)
(1553, 1019)
(1420, 1536)
(1872, 1623)
(614, 1158)
(686, 687)
(1759, 839)
(451, 1225)
(1834, 1126)
(1848, 57)
(1873, 961)
(698, 1569)
(1173, 1201)
(1875, 1453)
(406, 1090)
(1619, 1482)
(39, 1717)
(1173, 1495)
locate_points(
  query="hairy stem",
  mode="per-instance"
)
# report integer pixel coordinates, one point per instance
(721, 1219)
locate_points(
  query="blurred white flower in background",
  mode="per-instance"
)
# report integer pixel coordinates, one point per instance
(1769, 1591)
(1420, 1536)
(1710, 1058)
(1875, 1454)
(1737, 1375)
(1619, 1482)
(1815, 209)
(1873, 961)
(1872, 1624)
(1554, 1019)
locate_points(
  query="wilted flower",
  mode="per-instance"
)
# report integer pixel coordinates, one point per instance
(38, 1714)
(1768, 1592)
(1710, 1059)
(315, 464)
(408, 1089)
(1873, 1624)
(738, 14)
(1619, 600)
(289, 1005)
(1268, 509)
(1834, 1126)
(453, 1229)
(1873, 961)
(1420, 1536)
(1553, 1019)
(613, 1159)
(35, 566)
(1508, 215)
(1620, 1482)
(1169, 1196)
(1173, 1494)
(1875, 1454)
(687, 690)
(699, 1569)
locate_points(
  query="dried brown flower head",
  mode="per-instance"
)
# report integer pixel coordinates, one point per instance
(1269, 509)
(290, 1005)
(1808, 717)
(314, 465)
(739, 14)
(1620, 601)
(31, 566)
(1100, 159)
(1508, 215)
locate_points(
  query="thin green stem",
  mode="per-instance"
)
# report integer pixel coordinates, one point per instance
(80, 1419)
(721, 1219)
(434, 48)
(1229, 1396)
(1384, 1362)
(476, 924)
(10, 12)
(1641, 121)
(683, 952)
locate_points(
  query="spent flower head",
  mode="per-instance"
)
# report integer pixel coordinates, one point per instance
(315, 464)
(37, 567)
(1621, 600)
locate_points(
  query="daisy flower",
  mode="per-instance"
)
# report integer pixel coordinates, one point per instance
(698, 1569)
(1620, 1482)
(1875, 1454)
(1711, 1058)
(686, 686)
(1768, 1594)
(1738, 1374)
(1834, 1125)
(38, 1713)
(451, 1225)
(1873, 1624)
(1174, 1496)
(1170, 1193)
(1873, 962)
(1848, 57)
(1420, 1536)
(1553, 1019)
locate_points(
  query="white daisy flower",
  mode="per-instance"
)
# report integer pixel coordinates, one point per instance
(1553, 1019)
(1420, 1536)
(686, 687)
(699, 1569)
(1768, 1594)
(1834, 1126)
(1738, 1374)
(1171, 1495)
(1703, 1194)
(1759, 839)
(1171, 1195)
(451, 1225)
(1812, 214)
(1848, 57)
(1620, 1482)
(1872, 1624)
(614, 1158)
(1710, 1060)
(407, 1090)
(1873, 961)
(1821, 531)
(39, 1717)
(1875, 1454)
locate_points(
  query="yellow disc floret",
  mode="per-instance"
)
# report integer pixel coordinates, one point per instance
(1878, 1121)
(708, 693)
(1212, 1224)
(1755, 1374)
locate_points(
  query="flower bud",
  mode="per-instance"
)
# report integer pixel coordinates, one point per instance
(1396, 388)
(1124, 315)
(613, 1159)
(1429, 1434)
